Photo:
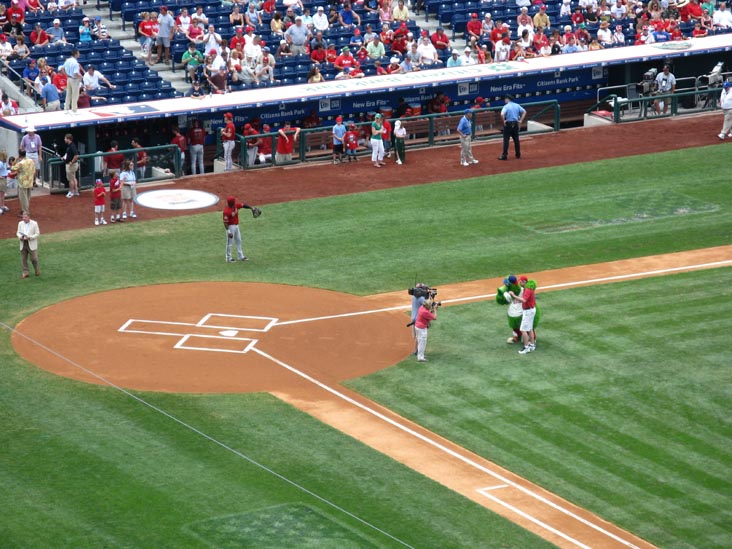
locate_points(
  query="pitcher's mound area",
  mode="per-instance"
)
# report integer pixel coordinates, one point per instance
(201, 337)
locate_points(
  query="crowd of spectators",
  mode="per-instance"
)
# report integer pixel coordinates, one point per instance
(268, 43)
(37, 38)
(539, 29)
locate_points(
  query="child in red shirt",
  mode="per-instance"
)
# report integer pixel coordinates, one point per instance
(351, 142)
(99, 201)
(115, 196)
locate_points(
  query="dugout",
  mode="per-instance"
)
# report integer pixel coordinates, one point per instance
(574, 79)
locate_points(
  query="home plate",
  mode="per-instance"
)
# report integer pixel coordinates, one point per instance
(228, 333)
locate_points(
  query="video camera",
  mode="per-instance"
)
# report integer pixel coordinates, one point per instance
(713, 79)
(645, 86)
(423, 291)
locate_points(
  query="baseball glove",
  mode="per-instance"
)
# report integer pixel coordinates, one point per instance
(256, 212)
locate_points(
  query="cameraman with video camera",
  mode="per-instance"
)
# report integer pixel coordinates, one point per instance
(425, 315)
(419, 294)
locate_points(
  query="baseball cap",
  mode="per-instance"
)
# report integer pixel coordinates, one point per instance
(468, 48)
(265, 48)
(237, 67)
(467, 111)
(344, 49)
(479, 99)
(97, 18)
(212, 51)
(727, 85)
(230, 199)
(321, 8)
(99, 182)
(474, 15)
(523, 278)
(377, 115)
(339, 119)
(228, 115)
(57, 21)
(511, 279)
(163, 8)
(394, 60)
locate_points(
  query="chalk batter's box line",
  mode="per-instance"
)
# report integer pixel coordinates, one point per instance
(270, 322)
(185, 339)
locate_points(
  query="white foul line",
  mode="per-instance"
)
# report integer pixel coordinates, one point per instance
(489, 296)
(534, 520)
(204, 435)
(443, 448)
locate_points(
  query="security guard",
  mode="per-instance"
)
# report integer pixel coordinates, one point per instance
(512, 115)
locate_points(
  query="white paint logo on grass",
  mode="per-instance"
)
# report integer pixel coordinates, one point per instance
(176, 199)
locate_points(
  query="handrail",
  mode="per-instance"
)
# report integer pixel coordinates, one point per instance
(52, 161)
(301, 154)
(674, 98)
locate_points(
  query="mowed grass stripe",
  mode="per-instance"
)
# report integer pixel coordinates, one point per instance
(375, 242)
(87, 466)
(624, 408)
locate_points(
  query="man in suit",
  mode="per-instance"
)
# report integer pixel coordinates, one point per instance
(28, 234)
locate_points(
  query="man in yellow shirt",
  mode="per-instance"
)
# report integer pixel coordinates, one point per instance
(24, 170)
(541, 19)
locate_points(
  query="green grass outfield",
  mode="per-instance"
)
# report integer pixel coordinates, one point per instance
(626, 413)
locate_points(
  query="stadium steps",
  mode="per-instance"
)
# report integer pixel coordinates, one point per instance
(128, 41)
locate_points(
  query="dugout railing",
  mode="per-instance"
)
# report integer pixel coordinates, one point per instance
(315, 144)
(164, 162)
(643, 107)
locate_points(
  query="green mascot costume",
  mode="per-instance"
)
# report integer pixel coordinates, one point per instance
(514, 313)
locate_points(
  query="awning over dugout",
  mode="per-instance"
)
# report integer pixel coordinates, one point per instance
(545, 72)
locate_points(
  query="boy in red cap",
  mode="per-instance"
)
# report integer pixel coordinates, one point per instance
(351, 140)
(231, 224)
(99, 201)
(115, 196)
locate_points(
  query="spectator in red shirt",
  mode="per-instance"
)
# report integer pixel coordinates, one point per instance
(17, 11)
(691, 11)
(474, 27)
(38, 36)
(331, 54)
(345, 59)
(60, 80)
(440, 40)
(577, 17)
(698, 31)
(237, 39)
(286, 143)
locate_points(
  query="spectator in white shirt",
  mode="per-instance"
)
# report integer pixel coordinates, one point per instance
(92, 80)
(722, 18)
(320, 20)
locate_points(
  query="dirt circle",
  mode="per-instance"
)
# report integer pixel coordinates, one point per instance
(214, 337)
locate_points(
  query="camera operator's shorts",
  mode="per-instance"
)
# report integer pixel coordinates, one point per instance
(527, 319)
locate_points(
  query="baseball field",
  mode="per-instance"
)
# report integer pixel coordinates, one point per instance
(152, 395)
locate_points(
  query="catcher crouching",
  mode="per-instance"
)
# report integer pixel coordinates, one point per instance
(231, 224)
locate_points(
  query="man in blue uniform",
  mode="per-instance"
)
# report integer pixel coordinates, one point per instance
(512, 115)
